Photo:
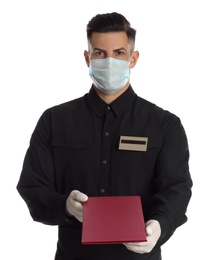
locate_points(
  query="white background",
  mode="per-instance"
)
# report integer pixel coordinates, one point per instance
(42, 64)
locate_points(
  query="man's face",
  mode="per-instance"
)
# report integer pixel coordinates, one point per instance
(112, 44)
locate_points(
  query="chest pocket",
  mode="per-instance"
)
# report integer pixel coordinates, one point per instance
(74, 142)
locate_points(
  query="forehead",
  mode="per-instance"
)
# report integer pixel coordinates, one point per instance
(110, 40)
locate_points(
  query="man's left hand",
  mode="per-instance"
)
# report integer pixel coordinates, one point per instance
(153, 231)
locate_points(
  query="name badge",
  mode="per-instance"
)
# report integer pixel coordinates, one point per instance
(133, 143)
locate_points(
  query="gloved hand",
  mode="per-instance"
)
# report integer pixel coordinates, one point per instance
(153, 231)
(74, 204)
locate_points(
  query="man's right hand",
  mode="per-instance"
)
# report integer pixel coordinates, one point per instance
(74, 204)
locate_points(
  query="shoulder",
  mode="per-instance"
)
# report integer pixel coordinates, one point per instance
(72, 104)
(158, 116)
(60, 113)
(66, 107)
(151, 108)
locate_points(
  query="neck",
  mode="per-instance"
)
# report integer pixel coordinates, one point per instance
(109, 98)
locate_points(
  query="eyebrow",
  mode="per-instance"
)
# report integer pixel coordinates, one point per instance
(119, 49)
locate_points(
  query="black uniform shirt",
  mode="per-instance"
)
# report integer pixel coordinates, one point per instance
(76, 146)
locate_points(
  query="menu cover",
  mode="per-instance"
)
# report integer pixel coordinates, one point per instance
(113, 220)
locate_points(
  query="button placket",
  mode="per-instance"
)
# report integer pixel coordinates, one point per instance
(105, 150)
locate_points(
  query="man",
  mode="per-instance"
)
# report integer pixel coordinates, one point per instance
(74, 153)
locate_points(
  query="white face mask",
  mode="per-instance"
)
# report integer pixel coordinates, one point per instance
(109, 75)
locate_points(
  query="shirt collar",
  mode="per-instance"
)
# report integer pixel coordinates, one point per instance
(118, 106)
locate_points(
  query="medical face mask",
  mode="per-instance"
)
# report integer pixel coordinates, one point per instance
(109, 75)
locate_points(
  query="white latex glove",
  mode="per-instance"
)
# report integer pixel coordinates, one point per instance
(74, 204)
(153, 231)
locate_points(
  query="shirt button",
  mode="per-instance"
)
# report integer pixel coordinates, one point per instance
(106, 133)
(104, 162)
(102, 190)
(109, 108)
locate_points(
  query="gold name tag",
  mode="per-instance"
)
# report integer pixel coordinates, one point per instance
(133, 143)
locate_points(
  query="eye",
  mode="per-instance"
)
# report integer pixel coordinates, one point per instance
(99, 53)
(119, 53)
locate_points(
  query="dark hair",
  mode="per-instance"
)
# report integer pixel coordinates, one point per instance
(111, 22)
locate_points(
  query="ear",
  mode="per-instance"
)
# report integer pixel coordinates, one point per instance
(87, 59)
(134, 59)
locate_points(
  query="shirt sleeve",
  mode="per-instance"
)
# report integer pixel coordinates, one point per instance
(37, 180)
(173, 182)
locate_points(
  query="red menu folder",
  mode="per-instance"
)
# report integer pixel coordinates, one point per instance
(113, 220)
